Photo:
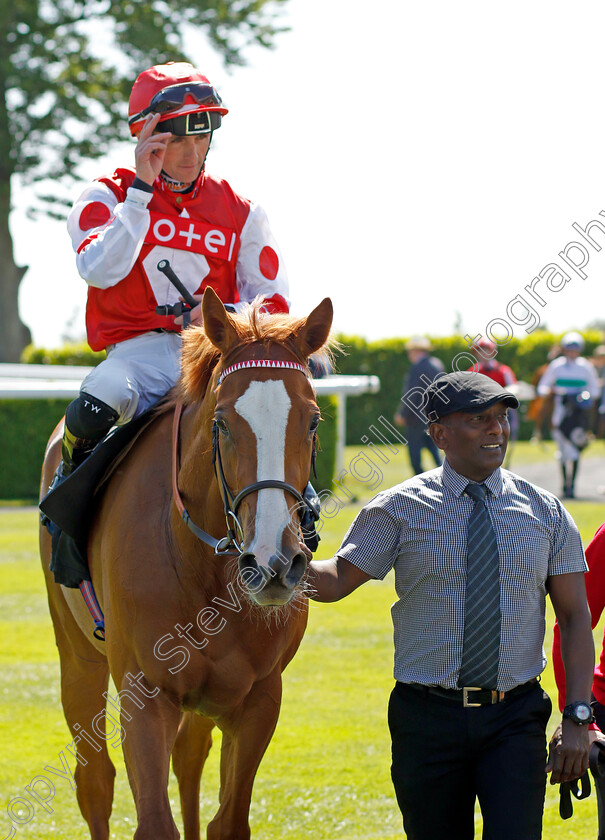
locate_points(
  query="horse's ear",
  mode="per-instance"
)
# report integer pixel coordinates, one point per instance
(315, 331)
(217, 325)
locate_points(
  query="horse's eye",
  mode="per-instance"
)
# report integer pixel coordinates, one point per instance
(314, 423)
(221, 425)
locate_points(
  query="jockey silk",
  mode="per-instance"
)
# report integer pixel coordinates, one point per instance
(211, 237)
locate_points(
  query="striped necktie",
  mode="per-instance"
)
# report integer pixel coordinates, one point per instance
(481, 645)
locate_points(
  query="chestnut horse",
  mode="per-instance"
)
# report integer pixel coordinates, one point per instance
(195, 637)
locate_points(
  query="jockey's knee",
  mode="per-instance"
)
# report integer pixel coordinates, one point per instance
(89, 418)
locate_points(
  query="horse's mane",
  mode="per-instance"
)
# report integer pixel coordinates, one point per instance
(200, 357)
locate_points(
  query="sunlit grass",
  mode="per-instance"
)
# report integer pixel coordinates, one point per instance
(326, 772)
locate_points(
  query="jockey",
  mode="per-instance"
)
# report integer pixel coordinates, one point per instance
(573, 382)
(124, 224)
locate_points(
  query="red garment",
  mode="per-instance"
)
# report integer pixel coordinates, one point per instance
(500, 373)
(595, 593)
(211, 237)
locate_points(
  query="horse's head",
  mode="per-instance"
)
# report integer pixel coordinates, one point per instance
(264, 431)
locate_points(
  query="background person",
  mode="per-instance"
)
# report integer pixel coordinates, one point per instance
(598, 361)
(573, 383)
(423, 370)
(486, 354)
(540, 408)
(122, 225)
(459, 734)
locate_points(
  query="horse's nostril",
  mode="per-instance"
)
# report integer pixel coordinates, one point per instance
(297, 568)
(250, 574)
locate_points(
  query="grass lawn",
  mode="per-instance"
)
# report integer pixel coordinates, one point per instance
(326, 773)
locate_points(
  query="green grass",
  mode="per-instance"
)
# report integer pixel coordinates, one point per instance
(326, 772)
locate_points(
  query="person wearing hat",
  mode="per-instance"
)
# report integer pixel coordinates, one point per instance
(485, 352)
(166, 207)
(424, 369)
(475, 549)
(573, 383)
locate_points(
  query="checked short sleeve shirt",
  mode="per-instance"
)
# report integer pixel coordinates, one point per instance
(419, 528)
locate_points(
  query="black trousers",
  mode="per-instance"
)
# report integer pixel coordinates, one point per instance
(418, 439)
(446, 756)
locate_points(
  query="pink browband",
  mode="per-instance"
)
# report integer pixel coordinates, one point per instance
(260, 363)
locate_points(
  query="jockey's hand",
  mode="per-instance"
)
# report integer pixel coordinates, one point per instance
(195, 316)
(150, 150)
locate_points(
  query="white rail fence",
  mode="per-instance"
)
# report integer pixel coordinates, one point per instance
(18, 381)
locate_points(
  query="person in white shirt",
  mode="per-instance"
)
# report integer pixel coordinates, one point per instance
(574, 384)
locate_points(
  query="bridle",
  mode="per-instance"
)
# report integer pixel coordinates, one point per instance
(232, 543)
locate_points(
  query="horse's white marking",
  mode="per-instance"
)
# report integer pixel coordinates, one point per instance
(265, 406)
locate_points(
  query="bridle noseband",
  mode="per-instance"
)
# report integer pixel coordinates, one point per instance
(232, 543)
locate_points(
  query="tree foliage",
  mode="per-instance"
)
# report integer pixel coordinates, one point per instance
(66, 70)
(68, 66)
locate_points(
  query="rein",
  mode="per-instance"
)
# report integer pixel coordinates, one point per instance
(232, 543)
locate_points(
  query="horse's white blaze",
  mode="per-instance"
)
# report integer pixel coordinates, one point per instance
(265, 406)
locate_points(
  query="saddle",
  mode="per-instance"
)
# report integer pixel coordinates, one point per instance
(70, 506)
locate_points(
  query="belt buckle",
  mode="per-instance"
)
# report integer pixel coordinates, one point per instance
(465, 697)
(497, 697)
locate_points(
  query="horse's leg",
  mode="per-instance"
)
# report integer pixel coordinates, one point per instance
(84, 678)
(150, 727)
(245, 739)
(189, 755)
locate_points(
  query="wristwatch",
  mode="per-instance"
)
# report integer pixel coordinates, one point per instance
(580, 713)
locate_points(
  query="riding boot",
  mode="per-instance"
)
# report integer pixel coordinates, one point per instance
(87, 421)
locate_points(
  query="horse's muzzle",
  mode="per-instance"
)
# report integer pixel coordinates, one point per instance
(271, 583)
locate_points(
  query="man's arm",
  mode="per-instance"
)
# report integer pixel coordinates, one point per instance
(569, 745)
(334, 579)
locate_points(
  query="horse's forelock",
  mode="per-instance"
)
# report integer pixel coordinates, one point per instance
(200, 356)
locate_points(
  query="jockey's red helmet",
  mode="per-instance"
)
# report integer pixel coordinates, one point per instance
(485, 344)
(185, 98)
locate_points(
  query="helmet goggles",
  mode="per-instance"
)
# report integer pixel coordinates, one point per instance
(173, 98)
(200, 122)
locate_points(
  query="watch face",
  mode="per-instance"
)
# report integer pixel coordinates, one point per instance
(582, 711)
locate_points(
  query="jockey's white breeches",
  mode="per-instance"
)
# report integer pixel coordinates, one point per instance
(136, 373)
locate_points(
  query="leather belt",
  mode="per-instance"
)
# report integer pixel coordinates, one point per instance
(471, 696)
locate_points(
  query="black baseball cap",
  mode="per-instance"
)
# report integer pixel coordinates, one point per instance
(464, 390)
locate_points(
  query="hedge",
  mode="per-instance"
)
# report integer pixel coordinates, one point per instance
(326, 439)
(388, 360)
(26, 425)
